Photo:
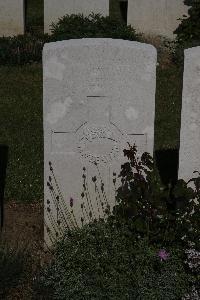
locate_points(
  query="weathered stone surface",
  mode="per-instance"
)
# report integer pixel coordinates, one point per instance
(99, 94)
(156, 17)
(55, 9)
(189, 155)
(11, 17)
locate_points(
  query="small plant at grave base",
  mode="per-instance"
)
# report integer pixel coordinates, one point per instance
(64, 218)
(139, 251)
(101, 200)
(102, 261)
(150, 209)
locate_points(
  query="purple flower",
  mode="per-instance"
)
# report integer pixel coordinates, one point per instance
(163, 254)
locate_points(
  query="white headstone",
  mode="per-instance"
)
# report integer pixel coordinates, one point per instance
(189, 154)
(11, 17)
(156, 17)
(55, 9)
(99, 94)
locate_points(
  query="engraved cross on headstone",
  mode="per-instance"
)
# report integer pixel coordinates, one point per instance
(97, 140)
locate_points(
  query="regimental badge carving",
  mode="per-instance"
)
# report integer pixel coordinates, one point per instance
(98, 144)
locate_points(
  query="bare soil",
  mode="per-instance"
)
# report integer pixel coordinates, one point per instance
(23, 228)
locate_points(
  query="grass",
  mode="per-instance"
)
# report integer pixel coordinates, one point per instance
(21, 130)
(115, 9)
(168, 107)
(34, 15)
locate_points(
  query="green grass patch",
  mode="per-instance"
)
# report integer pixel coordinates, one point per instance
(115, 9)
(21, 129)
(35, 15)
(168, 107)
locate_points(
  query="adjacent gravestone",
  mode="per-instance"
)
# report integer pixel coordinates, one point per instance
(55, 9)
(99, 94)
(189, 155)
(156, 17)
(11, 17)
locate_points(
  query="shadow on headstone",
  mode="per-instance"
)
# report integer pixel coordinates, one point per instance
(123, 10)
(3, 166)
(167, 164)
(25, 15)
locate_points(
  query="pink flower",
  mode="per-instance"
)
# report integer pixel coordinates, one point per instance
(163, 254)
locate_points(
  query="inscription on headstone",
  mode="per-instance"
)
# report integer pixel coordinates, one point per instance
(99, 94)
(189, 158)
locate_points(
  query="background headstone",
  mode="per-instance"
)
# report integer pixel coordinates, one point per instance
(189, 154)
(99, 94)
(11, 17)
(55, 9)
(156, 17)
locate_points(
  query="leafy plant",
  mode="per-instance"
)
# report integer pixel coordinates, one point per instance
(188, 32)
(189, 29)
(93, 26)
(22, 49)
(187, 215)
(165, 215)
(137, 251)
(102, 261)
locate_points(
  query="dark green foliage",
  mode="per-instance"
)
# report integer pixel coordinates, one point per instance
(120, 258)
(102, 261)
(163, 214)
(188, 32)
(22, 49)
(188, 221)
(93, 26)
(189, 29)
(27, 48)
(12, 268)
